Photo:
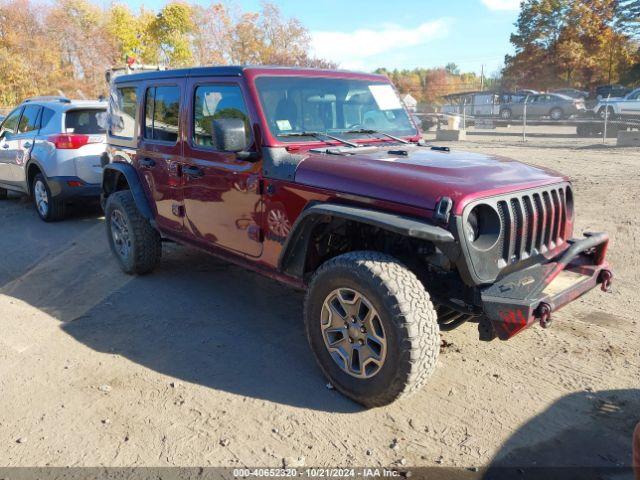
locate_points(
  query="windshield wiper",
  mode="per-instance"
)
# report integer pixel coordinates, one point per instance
(376, 132)
(319, 136)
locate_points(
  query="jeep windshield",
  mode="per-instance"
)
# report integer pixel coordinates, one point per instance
(299, 107)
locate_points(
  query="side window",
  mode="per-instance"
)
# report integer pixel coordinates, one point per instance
(213, 102)
(122, 112)
(29, 120)
(10, 124)
(162, 113)
(47, 115)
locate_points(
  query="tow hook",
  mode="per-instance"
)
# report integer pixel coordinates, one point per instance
(544, 313)
(605, 279)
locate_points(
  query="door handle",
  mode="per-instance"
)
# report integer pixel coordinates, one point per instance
(27, 145)
(192, 171)
(5, 145)
(147, 162)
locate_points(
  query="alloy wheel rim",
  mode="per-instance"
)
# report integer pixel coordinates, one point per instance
(353, 333)
(42, 198)
(120, 234)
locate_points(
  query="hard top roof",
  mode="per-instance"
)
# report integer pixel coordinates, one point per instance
(228, 71)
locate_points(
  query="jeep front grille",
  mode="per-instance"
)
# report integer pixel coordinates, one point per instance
(533, 222)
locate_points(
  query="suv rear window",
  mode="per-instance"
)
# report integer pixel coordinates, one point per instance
(83, 121)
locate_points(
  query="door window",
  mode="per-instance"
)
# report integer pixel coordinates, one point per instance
(162, 113)
(29, 120)
(213, 102)
(10, 124)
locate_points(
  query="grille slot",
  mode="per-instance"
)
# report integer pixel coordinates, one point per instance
(533, 223)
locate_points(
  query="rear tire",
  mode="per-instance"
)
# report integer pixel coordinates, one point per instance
(400, 349)
(134, 242)
(49, 209)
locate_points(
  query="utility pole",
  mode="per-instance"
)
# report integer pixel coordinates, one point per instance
(482, 78)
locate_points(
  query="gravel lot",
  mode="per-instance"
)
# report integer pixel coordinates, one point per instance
(203, 363)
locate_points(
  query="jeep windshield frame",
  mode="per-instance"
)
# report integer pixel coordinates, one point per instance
(350, 107)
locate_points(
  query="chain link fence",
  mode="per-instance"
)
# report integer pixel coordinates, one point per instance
(525, 117)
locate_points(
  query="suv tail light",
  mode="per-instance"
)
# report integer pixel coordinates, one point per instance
(70, 141)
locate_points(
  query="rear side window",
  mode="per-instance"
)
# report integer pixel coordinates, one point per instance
(213, 102)
(47, 115)
(29, 120)
(122, 112)
(83, 121)
(162, 113)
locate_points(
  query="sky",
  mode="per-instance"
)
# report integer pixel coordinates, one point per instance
(365, 35)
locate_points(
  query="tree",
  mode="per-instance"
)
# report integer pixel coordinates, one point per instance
(571, 42)
(67, 45)
(171, 30)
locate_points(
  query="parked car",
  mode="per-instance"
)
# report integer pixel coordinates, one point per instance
(625, 107)
(611, 91)
(553, 105)
(319, 179)
(50, 148)
(571, 92)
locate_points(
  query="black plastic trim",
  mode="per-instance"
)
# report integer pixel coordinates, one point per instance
(134, 185)
(293, 256)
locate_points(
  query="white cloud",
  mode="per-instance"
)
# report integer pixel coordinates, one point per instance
(355, 49)
(502, 4)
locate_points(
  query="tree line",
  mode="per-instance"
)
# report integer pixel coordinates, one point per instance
(575, 43)
(65, 46)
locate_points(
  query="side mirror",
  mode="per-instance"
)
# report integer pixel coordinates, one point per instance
(229, 135)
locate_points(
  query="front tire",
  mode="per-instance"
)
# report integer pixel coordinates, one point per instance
(556, 114)
(49, 209)
(134, 242)
(369, 303)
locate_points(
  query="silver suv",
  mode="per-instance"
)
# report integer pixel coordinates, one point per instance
(50, 148)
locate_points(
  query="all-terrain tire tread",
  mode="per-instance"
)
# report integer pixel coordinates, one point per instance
(412, 312)
(147, 242)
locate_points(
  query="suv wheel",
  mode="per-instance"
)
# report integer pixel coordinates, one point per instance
(372, 327)
(49, 209)
(132, 239)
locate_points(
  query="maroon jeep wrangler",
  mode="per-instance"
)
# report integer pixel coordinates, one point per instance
(319, 179)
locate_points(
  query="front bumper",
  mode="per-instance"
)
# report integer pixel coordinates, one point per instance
(517, 300)
(72, 187)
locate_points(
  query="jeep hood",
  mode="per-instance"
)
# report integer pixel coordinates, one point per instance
(420, 176)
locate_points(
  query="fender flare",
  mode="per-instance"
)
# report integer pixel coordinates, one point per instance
(294, 252)
(32, 161)
(135, 186)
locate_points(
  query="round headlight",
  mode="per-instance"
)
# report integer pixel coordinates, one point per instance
(471, 227)
(482, 227)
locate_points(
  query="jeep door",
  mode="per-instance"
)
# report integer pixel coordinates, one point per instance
(221, 191)
(160, 151)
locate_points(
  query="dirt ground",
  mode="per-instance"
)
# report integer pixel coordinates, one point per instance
(203, 363)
